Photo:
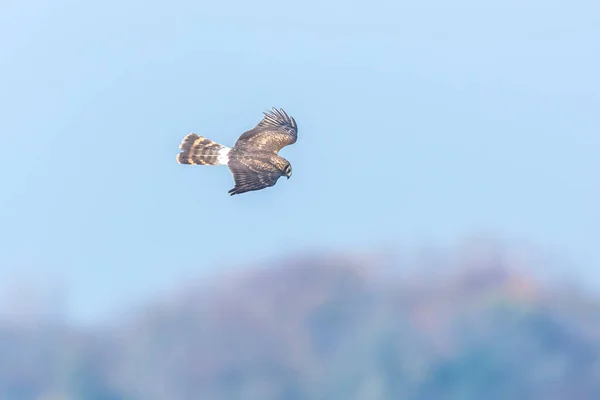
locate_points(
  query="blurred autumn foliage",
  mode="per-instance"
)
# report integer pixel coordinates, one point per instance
(477, 325)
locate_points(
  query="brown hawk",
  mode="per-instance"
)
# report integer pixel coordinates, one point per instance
(253, 161)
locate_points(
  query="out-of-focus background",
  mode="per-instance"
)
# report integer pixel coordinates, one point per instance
(439, 238)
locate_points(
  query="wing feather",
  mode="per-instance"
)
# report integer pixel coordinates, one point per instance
(275, 131)
(251, 174)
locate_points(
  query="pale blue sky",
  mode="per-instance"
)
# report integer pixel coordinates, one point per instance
(418, 122)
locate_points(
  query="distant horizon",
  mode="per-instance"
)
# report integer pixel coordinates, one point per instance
(337, 327)
(54, 297)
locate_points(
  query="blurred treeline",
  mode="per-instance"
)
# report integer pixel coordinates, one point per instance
(477, 325)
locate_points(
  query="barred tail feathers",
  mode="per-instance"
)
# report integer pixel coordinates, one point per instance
(198, 150)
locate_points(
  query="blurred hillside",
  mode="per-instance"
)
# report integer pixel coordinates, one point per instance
(327, 326)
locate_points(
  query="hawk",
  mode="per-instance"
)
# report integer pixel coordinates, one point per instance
(253, 161)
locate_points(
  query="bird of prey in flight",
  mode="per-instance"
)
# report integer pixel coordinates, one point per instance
(253, 161)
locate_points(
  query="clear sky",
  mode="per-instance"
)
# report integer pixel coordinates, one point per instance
(418, 122)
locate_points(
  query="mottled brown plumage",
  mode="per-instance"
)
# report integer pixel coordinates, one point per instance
(275, 131)
(253, 160)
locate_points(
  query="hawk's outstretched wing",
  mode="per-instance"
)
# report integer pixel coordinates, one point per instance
(252, 174)
(275, 131)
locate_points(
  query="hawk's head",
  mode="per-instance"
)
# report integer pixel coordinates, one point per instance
(287, 171)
